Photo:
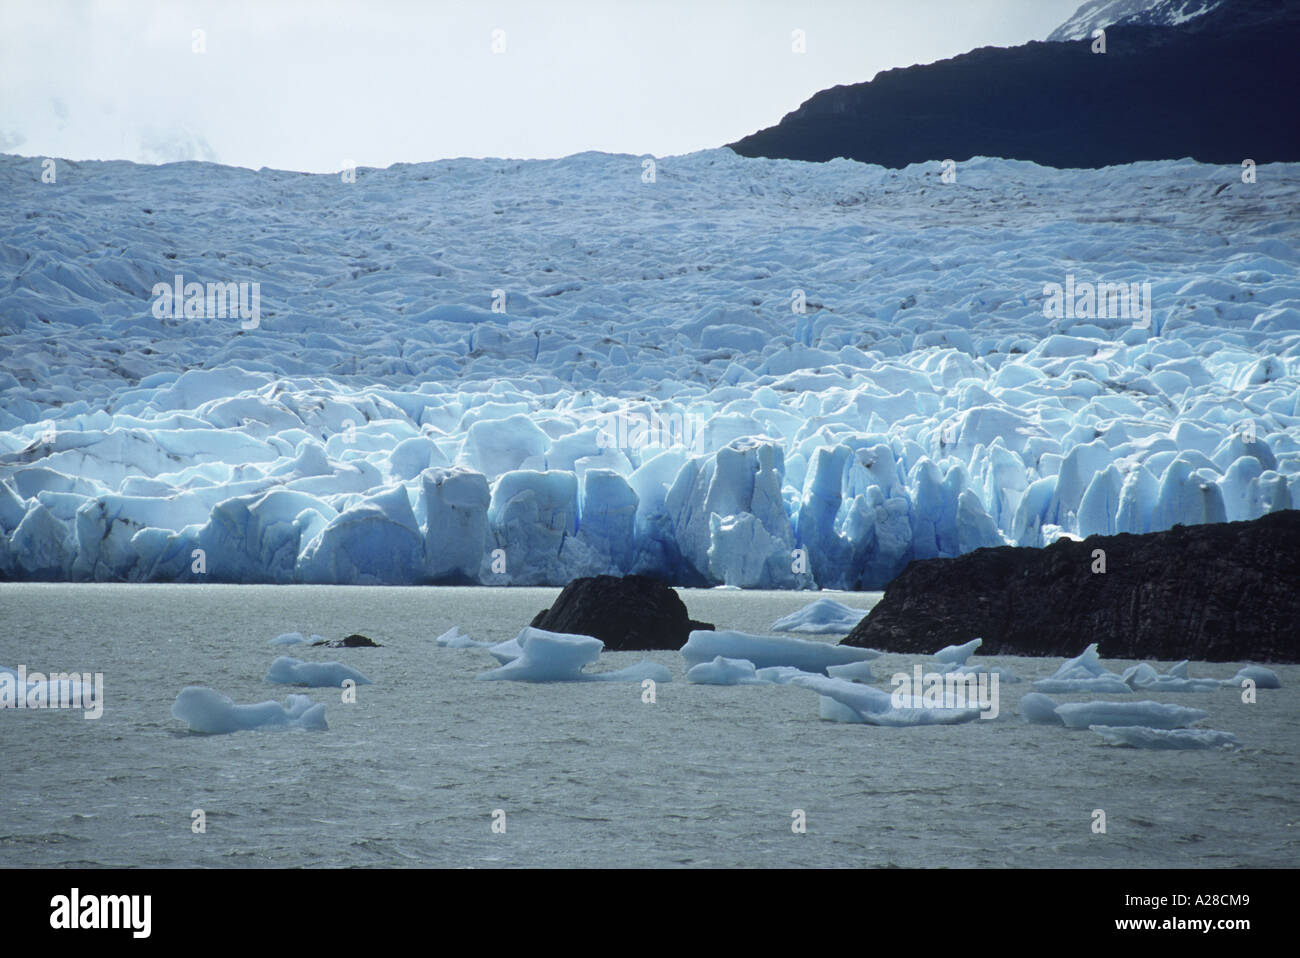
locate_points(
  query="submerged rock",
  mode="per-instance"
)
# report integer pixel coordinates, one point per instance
(354, 641)
(625, 612)
(1223, 592)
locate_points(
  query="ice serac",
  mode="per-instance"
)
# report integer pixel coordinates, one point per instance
(375, 542)
(456, 524)
(533, 520)
(767, 651)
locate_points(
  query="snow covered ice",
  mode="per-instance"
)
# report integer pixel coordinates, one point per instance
(559, 657)
(756, 373)
(206, 710)
(288, 671)
(765, 651)
(454, 638)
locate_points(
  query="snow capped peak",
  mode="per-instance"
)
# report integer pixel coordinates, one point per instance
(1096, 14)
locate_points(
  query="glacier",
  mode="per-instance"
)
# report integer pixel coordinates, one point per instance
(754, 373)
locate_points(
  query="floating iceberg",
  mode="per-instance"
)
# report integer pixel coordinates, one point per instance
(724, 672)
(1138, 736)
(559, 657)
(316, 675)
(454, 638)
(1262, 677)
(1149, 714)
(852, 672)
(1037, 709)
(289, 638)
(873, 706)
(765, 651)
(958, 654)
(1143, 676)
(821, 617)
(206, 710)
(781, 674)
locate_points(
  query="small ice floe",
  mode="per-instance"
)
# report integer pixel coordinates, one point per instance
(765, 651)
(844, 701)
(852, 672)
(722, 671)
(207, 710)
(822, 617)
(1262, 677)
(317, 675)
(560, 657)
(1083, 673)
(288, 638)
(454, 638)
(1143, 676)
(1150, 714)
(1038, 709)
(509, 650)
(1140, 736)
(783, 674)
(958, 654)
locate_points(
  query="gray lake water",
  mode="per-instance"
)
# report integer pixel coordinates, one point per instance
(586, 774)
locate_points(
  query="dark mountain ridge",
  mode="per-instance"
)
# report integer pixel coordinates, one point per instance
(1219, 88)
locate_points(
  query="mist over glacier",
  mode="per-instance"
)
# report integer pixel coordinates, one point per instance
(711, 369)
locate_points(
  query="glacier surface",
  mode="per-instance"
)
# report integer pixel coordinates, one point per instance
(749, 372)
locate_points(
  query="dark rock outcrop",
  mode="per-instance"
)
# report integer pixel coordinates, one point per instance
(1219, 88)
(354, 641)
(1224, 592)
(627, 612)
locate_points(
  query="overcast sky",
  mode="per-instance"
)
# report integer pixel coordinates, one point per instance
(308, 84)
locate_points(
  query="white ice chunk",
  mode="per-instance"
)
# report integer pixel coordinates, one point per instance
(852, 672)
(317, 675)
(764, 651)
(1149, 714)
(822, 617)
(958, 654)
(877, 707)
(288, 638)
(207, 710)
(1262, 677)
(1038, 709)
(723, 671)
(560, 657)
(454, 638)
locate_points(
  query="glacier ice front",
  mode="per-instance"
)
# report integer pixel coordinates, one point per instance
(389, 421)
